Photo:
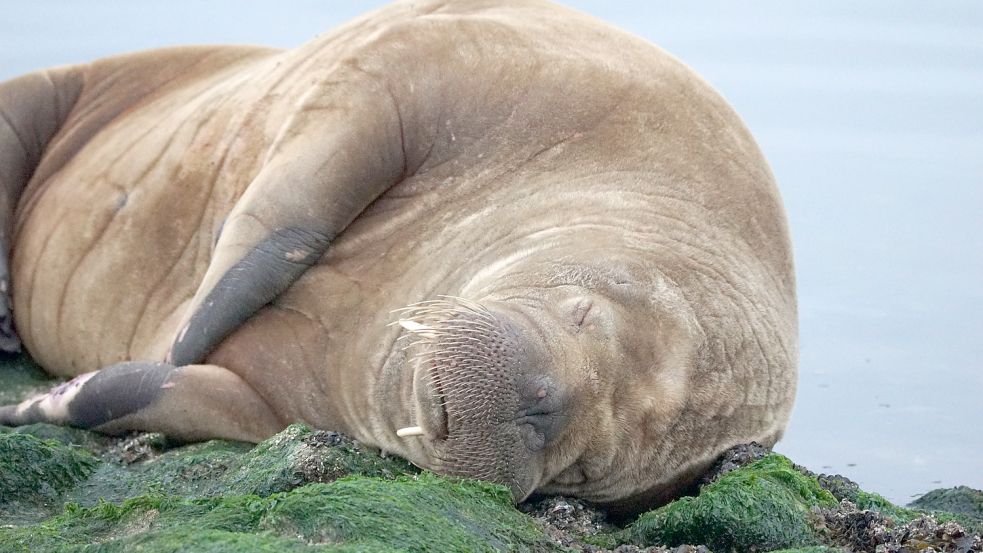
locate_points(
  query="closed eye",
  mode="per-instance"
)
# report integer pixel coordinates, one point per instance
(580, 312)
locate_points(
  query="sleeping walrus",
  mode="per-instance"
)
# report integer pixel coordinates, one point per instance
(500, 239)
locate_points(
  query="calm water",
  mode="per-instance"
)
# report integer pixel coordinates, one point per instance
(872, 118)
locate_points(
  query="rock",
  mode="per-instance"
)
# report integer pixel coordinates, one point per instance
(299, 455)
(734, 458)
(116, 470)
(762, 506)
(64, 489)
(31, 467)
(840, 486)
(566, 520)
(418, 513)
(292, 458)
(34, 474)
(771, 503)
(137, 447)
(90, 441)
(859, 530)
(954, 505)
(301, 489)
(961, 500)
(867, 531)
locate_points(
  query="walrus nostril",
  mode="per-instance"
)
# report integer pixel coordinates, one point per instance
(543, 410)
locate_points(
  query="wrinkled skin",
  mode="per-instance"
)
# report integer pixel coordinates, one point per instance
(230, 235)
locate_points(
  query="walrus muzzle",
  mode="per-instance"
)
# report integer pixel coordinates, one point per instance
(483, 406)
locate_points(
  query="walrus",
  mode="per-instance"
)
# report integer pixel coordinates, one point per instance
(503, 240)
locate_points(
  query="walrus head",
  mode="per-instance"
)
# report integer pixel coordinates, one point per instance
(565, 378)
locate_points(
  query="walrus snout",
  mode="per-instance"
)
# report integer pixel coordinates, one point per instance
(483, 404)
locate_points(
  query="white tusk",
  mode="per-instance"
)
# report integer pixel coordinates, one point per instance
(409, 431)
(412, 326)
(419, 329)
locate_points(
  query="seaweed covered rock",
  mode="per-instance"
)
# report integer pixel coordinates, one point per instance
(195, 470)
(771, 504)
(734, 458)
(422, 513)
(871, 531)
(34, 473)
(90, 441)
(295, 456)
(299, 455)
(64, 489)
(50, 473)
(141, 493)
(961, 500)
(955, 505)
(763, 506)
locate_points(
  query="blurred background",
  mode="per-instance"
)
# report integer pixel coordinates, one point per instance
(871, 115)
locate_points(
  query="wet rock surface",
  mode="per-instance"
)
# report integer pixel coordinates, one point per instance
(64, 489)
(733, 459)
(567, 521)
(872, 532)
(137, 447)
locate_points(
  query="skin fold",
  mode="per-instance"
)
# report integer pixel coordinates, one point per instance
(543, 250)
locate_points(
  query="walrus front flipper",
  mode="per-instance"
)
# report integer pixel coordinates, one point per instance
(340, 151)
(255, 280)
(191, 403)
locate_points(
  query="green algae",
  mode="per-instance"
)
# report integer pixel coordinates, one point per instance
(34, 468)
(961, 499)
(83, 491)
(423, 513)
(195, 470)
(299, 455)
(874, 502)
(35, 473)
(90, 441)
(285, 495)
(952, 508)
(759, 507)
(295, 456)
(206, 541)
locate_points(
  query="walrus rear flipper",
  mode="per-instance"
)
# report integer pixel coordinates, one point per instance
(32, 109)
(192, 403)
(340, 151)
